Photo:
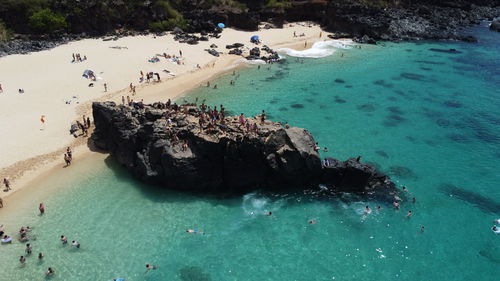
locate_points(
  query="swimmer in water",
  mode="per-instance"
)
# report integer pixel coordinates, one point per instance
(50, 271)
(409, 214)
(405, 189)
(379, 208)
(312, 221)
(151, 267)
(495, 229)
(64, 240)
(396, 205)
(22, 260)
(422, 228)
(367, 210)
(40, 256)
(195, 231)
(269, 213)
(29, 249)
(75, 243)
(414, 200)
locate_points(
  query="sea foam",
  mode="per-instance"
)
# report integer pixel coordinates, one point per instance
(318, 49)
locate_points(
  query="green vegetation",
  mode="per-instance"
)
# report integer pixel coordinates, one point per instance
(5, 34)
(46, 21)
(278, 4)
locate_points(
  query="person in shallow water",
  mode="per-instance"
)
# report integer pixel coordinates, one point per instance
(40, 256)
(269, 213)
(312, 221)
(195, 231)
(41, 208)
(22, 260)
(50, 271)
(75, 244)
(64, 239)
(410, 213)
(367, 210)
(151, 267)
(495, 229)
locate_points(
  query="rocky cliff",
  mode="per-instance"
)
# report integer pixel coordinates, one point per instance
(179, 147)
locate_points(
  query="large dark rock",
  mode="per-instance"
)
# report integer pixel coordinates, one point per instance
(235, 160)
(495, 25)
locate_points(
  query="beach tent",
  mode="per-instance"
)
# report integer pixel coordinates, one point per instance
(254, 38)
(88, 73)
(221, 25)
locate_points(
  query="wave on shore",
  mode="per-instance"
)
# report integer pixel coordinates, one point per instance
(318, 49)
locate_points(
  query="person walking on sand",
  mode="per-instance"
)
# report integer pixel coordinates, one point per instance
(41, 208)
(180, 53)
(131, 87)
(305, 44)
(88, 122)
(6, 182)
(1, 89)
(123, 100)
(42, 119)
(105, 87)
(1, 202)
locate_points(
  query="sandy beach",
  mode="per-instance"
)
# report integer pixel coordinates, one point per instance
(55, 89)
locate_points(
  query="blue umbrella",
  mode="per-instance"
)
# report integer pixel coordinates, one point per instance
(254, 38)
(221, 25)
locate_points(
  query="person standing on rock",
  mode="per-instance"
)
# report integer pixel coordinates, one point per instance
(263, 117)
(88, 122)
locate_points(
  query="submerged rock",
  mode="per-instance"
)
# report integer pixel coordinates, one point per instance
(165, 145)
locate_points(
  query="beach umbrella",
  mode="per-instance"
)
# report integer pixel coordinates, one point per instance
(254, 38)
(221, 25)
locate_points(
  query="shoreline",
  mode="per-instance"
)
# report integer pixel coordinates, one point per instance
(25, 173)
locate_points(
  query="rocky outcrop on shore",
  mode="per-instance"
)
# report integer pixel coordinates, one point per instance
(409, 21)
(178, 147)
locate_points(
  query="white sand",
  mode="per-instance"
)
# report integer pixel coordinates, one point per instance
(50, 79)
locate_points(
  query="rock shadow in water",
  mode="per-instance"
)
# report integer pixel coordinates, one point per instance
(274, 101)
(339, 100)
(383, 83)
(395, 110)
(283, 109)
(340, 81)
(193, 273)
(382, 153)
(429, 62)
(367, 107)
(297, 105)
(452, 104)
(402, 172)
(310, 100)
(392, 98)
(484, 203)
(426, 68)
(411, 139)
(458, 138)
(443, 123)
(413, 76)
(447, 51)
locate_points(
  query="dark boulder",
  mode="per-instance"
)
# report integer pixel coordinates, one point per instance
(495, 25)
(255, 52)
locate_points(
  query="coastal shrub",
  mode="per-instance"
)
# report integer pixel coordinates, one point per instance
(278, 4)
(46, 21)
(5, 34)
(169, 24)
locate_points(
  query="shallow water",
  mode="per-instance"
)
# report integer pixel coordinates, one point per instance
(429, 118)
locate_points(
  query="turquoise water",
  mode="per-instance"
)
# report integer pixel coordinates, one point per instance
(430, 119)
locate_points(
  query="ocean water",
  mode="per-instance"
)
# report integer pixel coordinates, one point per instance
(429, 118)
